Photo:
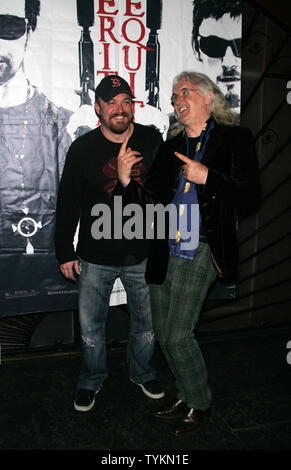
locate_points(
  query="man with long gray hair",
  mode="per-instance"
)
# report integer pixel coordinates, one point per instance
(212, 164)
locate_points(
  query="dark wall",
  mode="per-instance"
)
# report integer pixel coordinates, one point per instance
(279, 10)
(264, 287)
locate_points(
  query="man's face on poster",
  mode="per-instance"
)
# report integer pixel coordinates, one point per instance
(13, 38)
(220, 51)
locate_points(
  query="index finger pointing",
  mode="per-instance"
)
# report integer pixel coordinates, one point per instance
(124, 143)
(123, 147)
(182, 157)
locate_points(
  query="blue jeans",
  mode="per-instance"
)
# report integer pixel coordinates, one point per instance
(96, 284)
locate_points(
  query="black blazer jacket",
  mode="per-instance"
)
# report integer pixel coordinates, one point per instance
(232, 186)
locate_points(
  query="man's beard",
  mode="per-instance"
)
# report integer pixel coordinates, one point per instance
(232, 99)
(122, 126)
(231, 94)
(6, 70)
(226, 81)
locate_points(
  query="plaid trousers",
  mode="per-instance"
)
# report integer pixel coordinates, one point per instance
(176, 306)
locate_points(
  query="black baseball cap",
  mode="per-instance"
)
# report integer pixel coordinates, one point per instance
(111, 86)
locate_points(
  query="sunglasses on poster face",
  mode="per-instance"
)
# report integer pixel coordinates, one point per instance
(215, 47)
(12, 27)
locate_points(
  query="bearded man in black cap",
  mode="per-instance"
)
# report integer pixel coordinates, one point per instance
(86, 188)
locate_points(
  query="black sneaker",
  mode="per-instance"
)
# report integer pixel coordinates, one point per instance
(152, 389)
(85, 399)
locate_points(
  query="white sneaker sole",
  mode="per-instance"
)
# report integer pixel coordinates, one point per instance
(151, 395)
(86, 408)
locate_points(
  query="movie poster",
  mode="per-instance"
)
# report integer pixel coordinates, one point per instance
(52, 56)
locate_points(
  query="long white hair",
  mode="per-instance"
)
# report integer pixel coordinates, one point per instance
(220, 109)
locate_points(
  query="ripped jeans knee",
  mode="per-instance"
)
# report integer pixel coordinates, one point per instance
(88, 342)
(150, 336)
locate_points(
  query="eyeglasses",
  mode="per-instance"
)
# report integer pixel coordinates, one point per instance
(12, 27)
(215, 47)
(184, 92)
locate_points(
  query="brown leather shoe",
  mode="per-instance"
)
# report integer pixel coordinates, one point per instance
(174, 409)
(189, 423)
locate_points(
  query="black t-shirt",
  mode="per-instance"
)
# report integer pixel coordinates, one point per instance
(85, 194)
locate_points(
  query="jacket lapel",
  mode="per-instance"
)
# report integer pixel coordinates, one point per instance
(218, 136)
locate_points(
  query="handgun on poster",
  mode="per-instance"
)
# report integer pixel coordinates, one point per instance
(85, 14)
(154, 20)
